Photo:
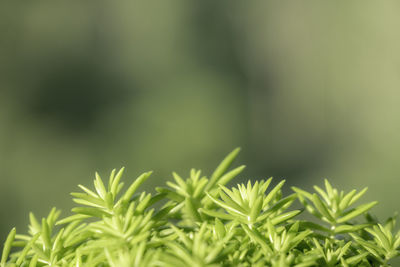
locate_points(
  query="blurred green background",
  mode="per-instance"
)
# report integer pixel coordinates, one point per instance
(308, 90)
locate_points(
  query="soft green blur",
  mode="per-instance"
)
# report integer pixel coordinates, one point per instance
(308, 89)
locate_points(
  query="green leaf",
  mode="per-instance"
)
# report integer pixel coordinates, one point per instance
(34, 260)
(190, 207)
(99, 185)
(381, 239)
(170, 194)
(257, 238)
(271, 195)
(109, 200)
(227, 207)
(25, 251)
(115, 182)
(302, 193)
(76, 217)
(219, 228)
(46, 234)
(216, 214)
(222, 167)
(181, 183)
(328, 188)
(284, 216)
(357, 211)
(344, 203)
(349, 228)
(356, 259)
(323, 194)
(230, 175)
(313, 226)
(255, 209)
(199, 189)
(34, 224)
(322, 208)
(134, 186)
(7, 246)
(356, 197)
(143, 204)
(88, 191)
(228, 201)
(91, 212)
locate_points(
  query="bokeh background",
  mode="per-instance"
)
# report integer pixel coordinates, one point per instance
(308, 90)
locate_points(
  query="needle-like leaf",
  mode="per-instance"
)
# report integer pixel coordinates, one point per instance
(197, 221)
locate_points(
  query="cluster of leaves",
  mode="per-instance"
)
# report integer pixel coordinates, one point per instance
(199, 222)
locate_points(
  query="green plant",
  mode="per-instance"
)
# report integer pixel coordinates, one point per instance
(198, 221)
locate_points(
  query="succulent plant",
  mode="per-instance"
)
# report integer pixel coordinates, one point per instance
(200, 221)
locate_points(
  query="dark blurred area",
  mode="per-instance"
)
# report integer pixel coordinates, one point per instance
(308, 90)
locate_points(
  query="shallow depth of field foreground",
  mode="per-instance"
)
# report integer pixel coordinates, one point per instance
(199, 221)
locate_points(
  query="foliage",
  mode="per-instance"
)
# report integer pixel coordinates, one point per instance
(199, 221)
